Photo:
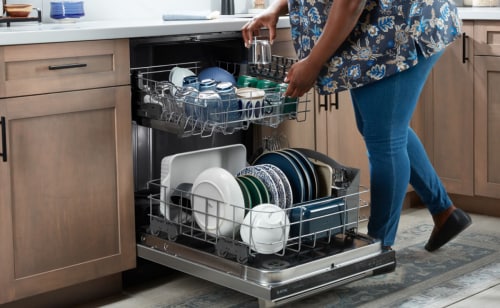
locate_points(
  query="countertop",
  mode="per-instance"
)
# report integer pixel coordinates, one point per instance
(33, 32)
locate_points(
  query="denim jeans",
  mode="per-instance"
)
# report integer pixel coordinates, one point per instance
(383, 111)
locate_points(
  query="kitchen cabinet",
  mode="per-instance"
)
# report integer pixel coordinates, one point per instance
(447, 106)
(459, 118)
(66, 192)
(487, 109)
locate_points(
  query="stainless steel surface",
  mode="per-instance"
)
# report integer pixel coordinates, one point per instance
(271, 286)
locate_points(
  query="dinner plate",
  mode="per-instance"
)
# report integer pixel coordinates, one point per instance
(185, 167)
(262, 188)
(284, 185)
(279, 195)
(310, 171)
(325, 178)
(289, 168)
(255, 196)
(268, 181)
(246, 194)
(217, 201)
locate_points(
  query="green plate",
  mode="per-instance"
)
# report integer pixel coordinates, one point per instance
(255, 195)
(266, 198)
(246, 194)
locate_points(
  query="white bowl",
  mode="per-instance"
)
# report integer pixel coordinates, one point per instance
(177, 75)
(265, 228)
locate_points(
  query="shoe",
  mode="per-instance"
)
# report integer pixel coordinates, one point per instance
(456, 222)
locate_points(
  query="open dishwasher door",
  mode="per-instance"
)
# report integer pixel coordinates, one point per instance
(321, 251)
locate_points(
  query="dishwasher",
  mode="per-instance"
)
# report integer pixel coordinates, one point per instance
(319, 245)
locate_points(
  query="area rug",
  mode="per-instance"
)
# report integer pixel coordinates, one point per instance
(464, 267)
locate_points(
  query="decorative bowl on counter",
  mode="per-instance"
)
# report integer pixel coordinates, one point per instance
(18, 10)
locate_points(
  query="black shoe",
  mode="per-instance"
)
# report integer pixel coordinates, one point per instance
(457, 222)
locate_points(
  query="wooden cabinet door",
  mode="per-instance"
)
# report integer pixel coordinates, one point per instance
(487, 126)
(66, 192)
(449, 126)
(337, 134)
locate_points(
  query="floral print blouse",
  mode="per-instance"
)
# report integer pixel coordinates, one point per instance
(383, 42)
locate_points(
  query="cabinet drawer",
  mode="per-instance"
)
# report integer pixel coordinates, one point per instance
(487, 38)
(56, 67)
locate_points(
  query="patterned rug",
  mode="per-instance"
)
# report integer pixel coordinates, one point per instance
(464, 267)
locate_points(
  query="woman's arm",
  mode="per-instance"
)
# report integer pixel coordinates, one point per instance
(342, 18)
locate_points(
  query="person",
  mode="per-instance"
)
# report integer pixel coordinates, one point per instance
(382, 52)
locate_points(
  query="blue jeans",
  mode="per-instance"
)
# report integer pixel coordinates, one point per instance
(383, 112)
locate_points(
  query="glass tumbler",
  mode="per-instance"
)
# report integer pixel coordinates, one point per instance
(260, 51)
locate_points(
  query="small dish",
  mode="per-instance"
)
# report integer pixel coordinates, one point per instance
(265, 229)
(217, 202)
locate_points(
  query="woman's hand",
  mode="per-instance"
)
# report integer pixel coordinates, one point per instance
(301, 77)
(267, 19)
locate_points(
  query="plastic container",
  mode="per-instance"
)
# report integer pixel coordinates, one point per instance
(67, 10)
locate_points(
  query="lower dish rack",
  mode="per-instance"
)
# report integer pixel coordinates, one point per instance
(162, 104)
(318, 246)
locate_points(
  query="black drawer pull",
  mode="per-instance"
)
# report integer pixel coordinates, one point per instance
(66, 66)
(465, 40)
(4, 139)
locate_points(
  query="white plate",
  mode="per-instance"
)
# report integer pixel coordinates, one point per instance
(265, 228)
(217, 202)
(185, 167)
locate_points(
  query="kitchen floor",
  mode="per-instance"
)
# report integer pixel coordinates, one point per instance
(171, 283)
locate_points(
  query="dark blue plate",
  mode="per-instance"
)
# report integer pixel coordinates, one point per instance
(308, 166)
(290, 169)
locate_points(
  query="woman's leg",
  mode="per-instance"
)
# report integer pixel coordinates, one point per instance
(383, 112)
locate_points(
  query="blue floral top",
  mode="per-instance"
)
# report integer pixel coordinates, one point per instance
(383, 42)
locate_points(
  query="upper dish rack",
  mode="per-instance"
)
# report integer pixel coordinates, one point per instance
(162, 105)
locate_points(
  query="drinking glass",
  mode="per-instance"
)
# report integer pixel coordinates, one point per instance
(260, 51)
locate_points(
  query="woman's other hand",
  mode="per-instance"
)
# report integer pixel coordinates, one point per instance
(301, 77)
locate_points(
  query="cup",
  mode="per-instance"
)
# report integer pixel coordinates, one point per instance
(230, 109)
(260, 51)
(209, 107)
(251, 102)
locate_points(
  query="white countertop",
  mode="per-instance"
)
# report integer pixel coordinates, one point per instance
(33, 32)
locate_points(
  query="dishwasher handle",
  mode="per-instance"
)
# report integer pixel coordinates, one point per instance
(4, 139)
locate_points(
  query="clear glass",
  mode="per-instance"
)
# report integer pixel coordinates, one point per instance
(260, 51)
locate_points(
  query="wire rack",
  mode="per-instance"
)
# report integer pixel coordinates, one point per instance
(162, 105)
(306, 226)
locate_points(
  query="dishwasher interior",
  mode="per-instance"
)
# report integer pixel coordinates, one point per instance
(319, 245)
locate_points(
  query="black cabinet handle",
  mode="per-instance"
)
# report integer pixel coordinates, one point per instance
(336, 103)
(66, 66)
(4, 139)
(465, 39)
(325, 100)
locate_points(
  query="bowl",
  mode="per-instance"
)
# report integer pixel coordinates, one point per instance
(265, 228)
(218, 74)
(18, 10)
